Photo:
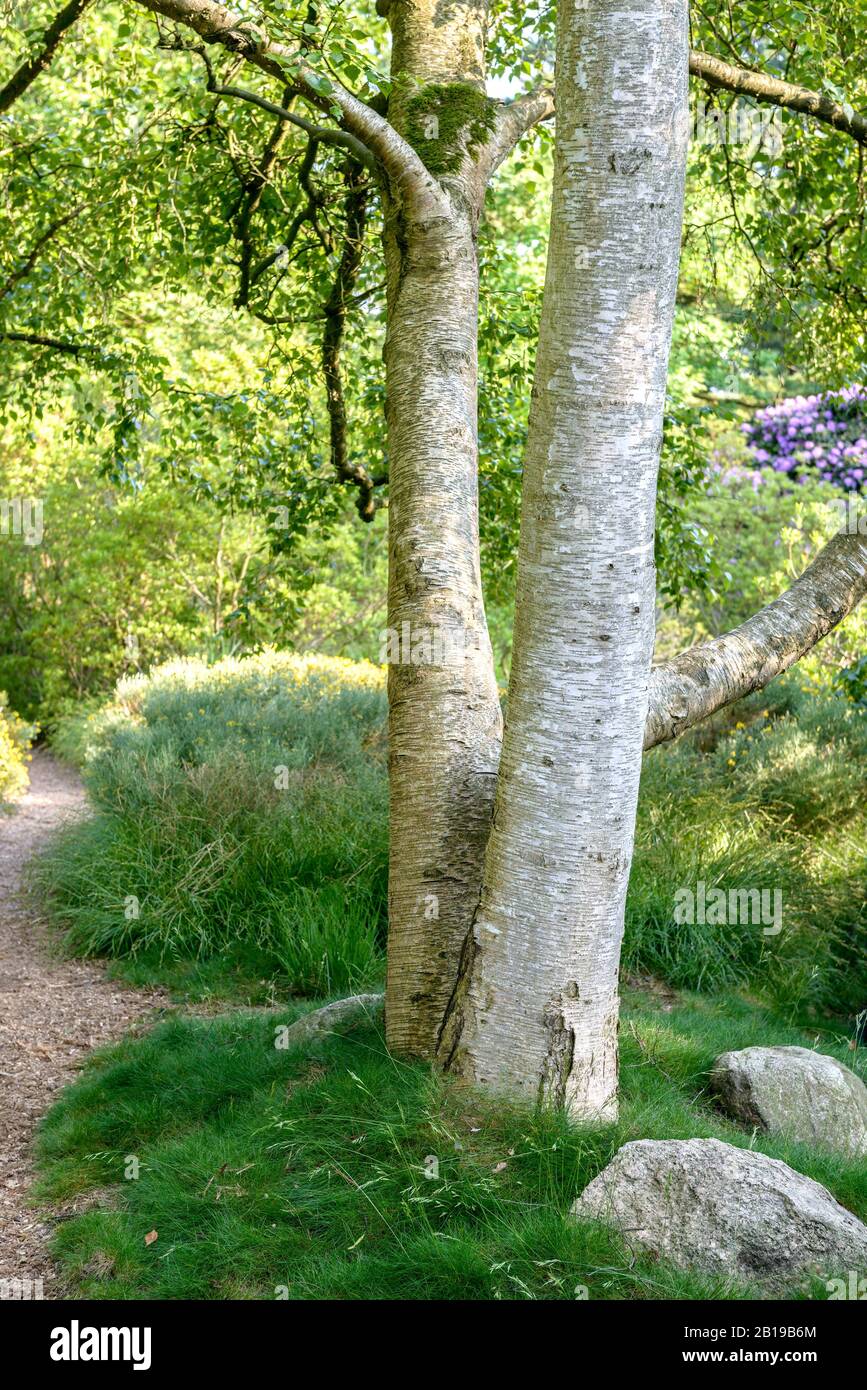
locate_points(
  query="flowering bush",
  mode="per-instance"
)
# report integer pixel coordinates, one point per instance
(808, 436)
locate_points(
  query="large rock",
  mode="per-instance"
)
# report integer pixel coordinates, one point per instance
(793, 1091)
(709, 1206)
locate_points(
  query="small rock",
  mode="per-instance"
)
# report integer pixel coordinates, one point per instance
(804, 1095)
(710, 1206)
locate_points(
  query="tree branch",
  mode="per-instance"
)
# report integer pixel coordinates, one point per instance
(215, 24)
(514, 119)
(16, 276)
(45, 340)
(706, 678)
(332, 344)
(520, 116)
(326, 135)
(761, 87)
(252, 192)
(30, 70)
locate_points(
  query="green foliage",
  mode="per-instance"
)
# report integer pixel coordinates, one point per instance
(307, 1174)
(787, 214)
(447, 121)
(240, 814)
(776, 803)
(852, 680)
(122, 171)
(124, 578)
(121, 578)
(15, 738)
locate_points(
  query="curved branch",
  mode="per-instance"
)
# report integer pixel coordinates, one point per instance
(31, 69)
(215, 24)
(704, 679)
(761, 87)
(281, 253)
(332, 344)
(47, 341)
(539, 106)
(514, 119)
(325, 135)
(252, 192)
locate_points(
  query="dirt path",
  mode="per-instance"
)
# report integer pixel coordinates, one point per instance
(52, 1012)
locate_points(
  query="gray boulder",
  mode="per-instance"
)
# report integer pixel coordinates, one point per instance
(793, 1091)
(709, 1206)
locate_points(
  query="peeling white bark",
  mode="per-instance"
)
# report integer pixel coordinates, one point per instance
(444, 711)
(437, 40)
(535, 1010)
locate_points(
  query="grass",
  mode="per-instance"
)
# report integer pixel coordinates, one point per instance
(772, 799)
(241, 818)
(303, 1175)
(239, 846)
(238, 853)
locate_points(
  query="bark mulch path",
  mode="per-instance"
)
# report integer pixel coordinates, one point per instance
(53, 1012)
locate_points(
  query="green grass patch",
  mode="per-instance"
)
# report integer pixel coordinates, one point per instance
(304, 1174)
(240, 818)
(772, 799)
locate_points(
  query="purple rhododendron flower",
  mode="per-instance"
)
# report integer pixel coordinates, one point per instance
(814, 437)
(821, 435)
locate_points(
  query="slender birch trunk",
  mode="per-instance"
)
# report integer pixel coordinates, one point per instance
(444, 712)
(535, 1010)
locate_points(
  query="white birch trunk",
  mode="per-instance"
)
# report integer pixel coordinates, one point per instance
(444, 711)
(535, 1011)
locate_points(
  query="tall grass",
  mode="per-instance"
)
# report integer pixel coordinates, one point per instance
(240, 813)
(776, 803)
(229, 860)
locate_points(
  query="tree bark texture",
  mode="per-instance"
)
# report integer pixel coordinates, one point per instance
(535, 1011)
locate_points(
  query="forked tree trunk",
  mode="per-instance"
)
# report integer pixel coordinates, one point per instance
(535, 1010)
(444, 712)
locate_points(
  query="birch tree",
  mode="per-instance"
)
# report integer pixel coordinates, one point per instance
(534, 1007)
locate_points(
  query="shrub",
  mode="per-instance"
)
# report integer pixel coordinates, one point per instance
(241, 814)
(824, 436)
(15, 738)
